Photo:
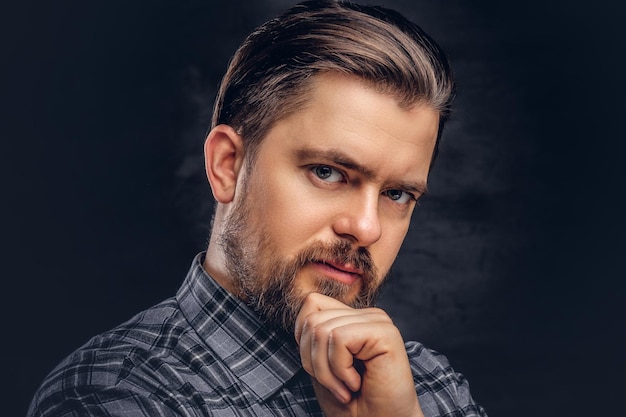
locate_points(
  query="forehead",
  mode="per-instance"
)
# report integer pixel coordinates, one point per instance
(347, 115)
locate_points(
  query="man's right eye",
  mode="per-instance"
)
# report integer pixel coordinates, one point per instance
(327, 173)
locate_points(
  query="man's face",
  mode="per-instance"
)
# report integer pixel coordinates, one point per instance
(328, 200)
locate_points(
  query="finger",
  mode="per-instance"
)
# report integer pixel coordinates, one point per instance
(376, 345)
(319, 308)
(320, 363)
(314, 319)
(330, 404)
(313, 345)
(330, 350)
(316, 342)
(341, 362)
(304, 346)
(315, 302)
(317, 326)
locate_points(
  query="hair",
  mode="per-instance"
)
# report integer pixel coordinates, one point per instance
(270, 75)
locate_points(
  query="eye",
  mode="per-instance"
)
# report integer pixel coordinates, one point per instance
(399, 196)
(327, 173)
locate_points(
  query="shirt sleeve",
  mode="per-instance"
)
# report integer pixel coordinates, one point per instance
(441, 391)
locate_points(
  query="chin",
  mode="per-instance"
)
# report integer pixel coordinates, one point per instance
(338, 290)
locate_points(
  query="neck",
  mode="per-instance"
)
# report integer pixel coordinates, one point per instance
(215, 261)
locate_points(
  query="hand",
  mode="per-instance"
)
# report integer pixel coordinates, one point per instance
(356, 358)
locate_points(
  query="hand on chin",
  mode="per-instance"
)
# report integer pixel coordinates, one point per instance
(332, 337)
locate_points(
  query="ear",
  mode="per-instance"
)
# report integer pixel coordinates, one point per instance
(223, 158)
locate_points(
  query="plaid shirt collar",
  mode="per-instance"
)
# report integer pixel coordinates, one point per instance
(264, 359)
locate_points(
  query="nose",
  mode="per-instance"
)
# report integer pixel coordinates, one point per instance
(360, 221)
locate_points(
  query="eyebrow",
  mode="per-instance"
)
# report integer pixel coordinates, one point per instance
(340, 158)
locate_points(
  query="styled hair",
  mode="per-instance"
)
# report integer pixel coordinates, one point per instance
(270, 75)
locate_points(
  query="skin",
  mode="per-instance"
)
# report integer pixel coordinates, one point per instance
(348, 166)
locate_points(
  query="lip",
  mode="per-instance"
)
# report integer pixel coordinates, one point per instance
(345, 273)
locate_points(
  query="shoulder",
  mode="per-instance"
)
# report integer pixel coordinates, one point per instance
(121, 369)
(441, 390)
(427, 362)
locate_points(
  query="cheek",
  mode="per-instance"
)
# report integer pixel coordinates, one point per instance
(292, 216)
(296, 223)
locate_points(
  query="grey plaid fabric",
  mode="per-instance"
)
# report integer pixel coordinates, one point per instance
(204, 353)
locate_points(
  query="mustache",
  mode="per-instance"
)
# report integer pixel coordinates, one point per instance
(340, 252)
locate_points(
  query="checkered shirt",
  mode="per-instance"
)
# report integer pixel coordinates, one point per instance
(205, 353)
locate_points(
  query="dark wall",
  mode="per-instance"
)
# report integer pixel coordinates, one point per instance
(514, 265)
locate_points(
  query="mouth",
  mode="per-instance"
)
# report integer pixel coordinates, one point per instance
(345, 273)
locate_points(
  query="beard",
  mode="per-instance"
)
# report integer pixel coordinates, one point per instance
(266, 282)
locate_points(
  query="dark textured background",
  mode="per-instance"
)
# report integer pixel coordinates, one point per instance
(514, 267)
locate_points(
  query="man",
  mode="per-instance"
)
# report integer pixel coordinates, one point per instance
(324, 130)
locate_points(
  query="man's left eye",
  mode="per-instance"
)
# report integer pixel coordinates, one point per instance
(399, 196)
(327, 173)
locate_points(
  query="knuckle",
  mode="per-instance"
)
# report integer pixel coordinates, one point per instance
(308, 325)
(335, 338)
(312, 320)
(320, 332)
(377, 310)
(312, 298)
(380, 314)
